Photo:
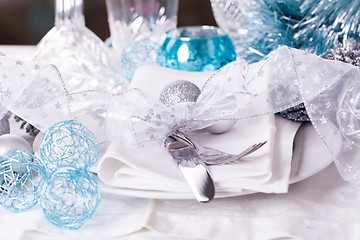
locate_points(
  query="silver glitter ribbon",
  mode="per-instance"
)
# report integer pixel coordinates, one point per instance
(329, 89)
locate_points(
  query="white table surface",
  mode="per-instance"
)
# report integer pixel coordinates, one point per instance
(319, 207)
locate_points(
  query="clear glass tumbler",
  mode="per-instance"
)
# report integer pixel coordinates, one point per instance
(133, 20)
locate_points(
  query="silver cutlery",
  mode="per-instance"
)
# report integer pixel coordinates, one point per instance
(192, 168)
(190, 156)
(226, 158)
(212, 156)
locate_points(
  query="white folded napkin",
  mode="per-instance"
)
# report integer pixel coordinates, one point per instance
(150, 171)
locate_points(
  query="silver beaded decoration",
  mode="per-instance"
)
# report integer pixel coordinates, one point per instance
(178, 92)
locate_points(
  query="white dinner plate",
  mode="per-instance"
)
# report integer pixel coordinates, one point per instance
(311, 151)
(310, 156)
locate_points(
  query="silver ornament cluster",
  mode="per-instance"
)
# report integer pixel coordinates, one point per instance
(349, 52)
(178, 92)
(4, 124)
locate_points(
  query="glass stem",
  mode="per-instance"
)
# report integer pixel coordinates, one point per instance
(69, 12)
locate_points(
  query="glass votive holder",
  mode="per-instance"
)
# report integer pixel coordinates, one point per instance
(134, 20)
(197, 48)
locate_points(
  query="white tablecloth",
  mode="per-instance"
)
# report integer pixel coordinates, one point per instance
(320, 207)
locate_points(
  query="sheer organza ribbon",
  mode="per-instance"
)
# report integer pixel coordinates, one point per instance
(329, 89)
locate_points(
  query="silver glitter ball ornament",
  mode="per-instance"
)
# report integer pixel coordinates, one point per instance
(185, 91)
(178, 92)
(11, 141)
(221, 127)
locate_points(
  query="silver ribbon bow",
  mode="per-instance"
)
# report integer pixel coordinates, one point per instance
(329, 89)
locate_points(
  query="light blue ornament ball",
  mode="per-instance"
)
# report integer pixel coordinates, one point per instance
(69, 143)
(140, 53)
(70, 197)
(21, 178)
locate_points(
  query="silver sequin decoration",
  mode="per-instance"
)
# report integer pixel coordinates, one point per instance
(178, 92)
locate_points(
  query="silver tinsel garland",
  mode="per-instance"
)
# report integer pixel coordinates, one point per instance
(349, 52)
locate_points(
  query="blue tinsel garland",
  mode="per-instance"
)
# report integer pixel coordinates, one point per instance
(327, 23)
(263, 29)
(317, 25)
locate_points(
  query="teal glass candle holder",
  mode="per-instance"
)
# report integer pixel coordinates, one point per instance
(197, 48)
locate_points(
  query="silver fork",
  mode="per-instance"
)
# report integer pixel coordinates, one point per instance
(212, 156)
(228, 158)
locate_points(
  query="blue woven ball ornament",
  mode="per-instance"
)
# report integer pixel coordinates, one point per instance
(21, 178)
(69, 143)
(70, 197)
(140, 53)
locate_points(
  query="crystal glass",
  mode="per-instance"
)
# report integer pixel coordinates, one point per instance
(228, 13)
(133, 20)
(254, 26)
(197, 48)
(82, 58)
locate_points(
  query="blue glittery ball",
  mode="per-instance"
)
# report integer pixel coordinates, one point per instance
(140, 53)
(21, 177)
(70, 197)
(69, 143)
